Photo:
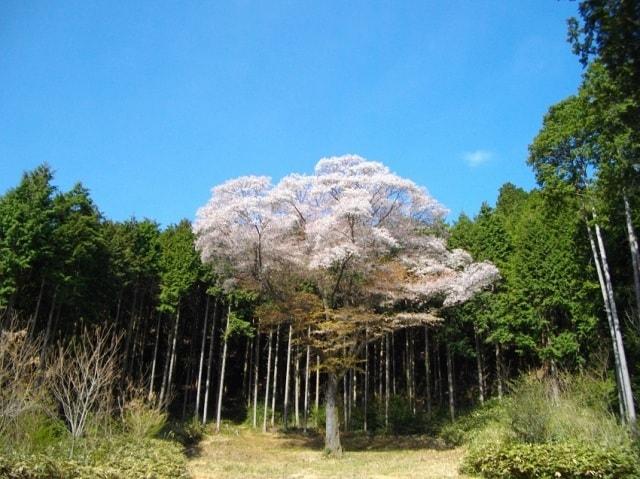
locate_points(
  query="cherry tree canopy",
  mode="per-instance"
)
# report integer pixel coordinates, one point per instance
(354, 229)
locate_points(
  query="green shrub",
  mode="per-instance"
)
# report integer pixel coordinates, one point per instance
(187, 433)
(523, 461)
(468, 425)
(318, 417)
(141, 420)
(580, 412)
(118, 458)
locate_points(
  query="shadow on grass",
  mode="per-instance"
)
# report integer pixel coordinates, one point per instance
(360, 441)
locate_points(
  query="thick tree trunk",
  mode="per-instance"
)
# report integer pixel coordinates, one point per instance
(286, 380)
(256, 381)
(203, 345)
(452, 407)
(155, 357)
(222, 371)
(275, 379)
(266, 384)
(635, 254)
(427, 369)
(479, 366)
(212, 343)
(332, 429)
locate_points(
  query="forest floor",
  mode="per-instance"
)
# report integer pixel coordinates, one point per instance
(240, 452)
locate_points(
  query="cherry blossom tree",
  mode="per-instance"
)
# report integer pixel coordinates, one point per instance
(359, 237)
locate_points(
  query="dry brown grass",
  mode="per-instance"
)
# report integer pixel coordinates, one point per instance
(243, 453)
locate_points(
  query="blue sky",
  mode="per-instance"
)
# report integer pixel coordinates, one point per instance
(150, 104)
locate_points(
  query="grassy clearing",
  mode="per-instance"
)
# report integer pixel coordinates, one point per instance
(240, 452)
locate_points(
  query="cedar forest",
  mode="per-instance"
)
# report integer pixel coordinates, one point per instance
(341, 301)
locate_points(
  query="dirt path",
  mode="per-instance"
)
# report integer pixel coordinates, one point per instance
(242, 453)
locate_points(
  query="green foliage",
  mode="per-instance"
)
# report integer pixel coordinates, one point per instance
(142, 420)
(180, 265)
(238, 326)
(186, 433)
(545, 428)
(119, 458)
(523, 461)
(467, 425)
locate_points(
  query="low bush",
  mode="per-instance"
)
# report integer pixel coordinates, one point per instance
(569, 460)
(544, 429)
(468, 425)
(142, 420)
(119, 458)
(186, 433)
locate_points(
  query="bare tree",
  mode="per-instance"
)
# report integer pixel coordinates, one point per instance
(21, 377)
(82, 376)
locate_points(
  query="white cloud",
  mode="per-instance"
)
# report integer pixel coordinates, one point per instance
(477, 157)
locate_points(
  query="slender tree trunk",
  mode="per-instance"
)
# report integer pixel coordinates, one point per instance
(479, 366)
(439, 371)
(296, 387)
(427, 369)
(413, 373)
(602, 268)
(247, 372)
(275, 379)
(332, 428)
(165, 371)
(130, 326)
(387, 389)
(499, 370)
(212, 343)
(155, 357)
(407, 366)
(306, 381)
(267, 383)
(381, 368)
(118, 307)
(452, 408)
(286, 380)
(256, 381)
(203, 345)
(222, 371)
(635, 254)
(36, 313)
(345, 401)
(173, 352)
(47, 332)
(393, 363)
(317, 387)
(366, 379)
